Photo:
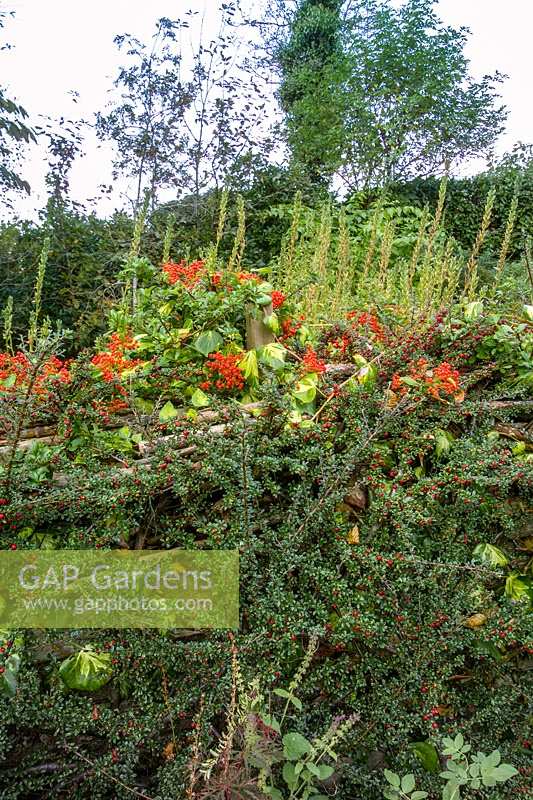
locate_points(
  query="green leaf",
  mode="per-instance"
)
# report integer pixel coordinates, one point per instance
(392, 778)
(208, 342)
(528, 311)
(169, 411)
(287, 695)
(448, 743)
(303, 334)
(427, 755)
(249, 366)
(272, 792)
(8, 681)
(325, 771)
(199, 399)
(144, 406)
(295, 746)
(409, 381)
(408, 783)
(10, 381)
(289, 775)
(419, 795)
(273, 355)
(86, 671)
(473, 310)
(493, 759)
(516, 587)
(305, 391)
(443, 442)
(452, 791)
(166, 309)
(491, 554)
(390, 794)
(487, 648)
(272, 323)
(504, 772)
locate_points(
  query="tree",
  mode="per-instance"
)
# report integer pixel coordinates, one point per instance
(182, 133)
(312, 61)
(393, 98)
(14, 132)
(226, 116)
(146, 120)
(65, 144)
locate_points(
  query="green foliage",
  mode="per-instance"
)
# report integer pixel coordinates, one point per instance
(377, 93)
(416, 635)
(311, 62)
(146, 122)
(466, 198)
(86, 671)
(380, 507)
(480, 771)
(14, 133)
(256, 745)
(84, 258)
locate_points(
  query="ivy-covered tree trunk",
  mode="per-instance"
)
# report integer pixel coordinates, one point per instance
(311, 62)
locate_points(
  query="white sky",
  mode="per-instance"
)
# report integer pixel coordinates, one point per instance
(64, 45)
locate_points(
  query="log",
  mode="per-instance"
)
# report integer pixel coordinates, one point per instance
(34, 433)
(45, 434)
(514, 432)
(509, 403)
(25, 444)
(207, 415)
(63, 480)
(341, 369)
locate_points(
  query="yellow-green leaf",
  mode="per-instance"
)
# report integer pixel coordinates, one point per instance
(169, 411)
(200, 399)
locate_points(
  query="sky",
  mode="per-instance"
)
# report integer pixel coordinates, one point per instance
(60, 46)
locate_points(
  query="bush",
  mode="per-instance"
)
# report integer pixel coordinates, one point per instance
(380, 508)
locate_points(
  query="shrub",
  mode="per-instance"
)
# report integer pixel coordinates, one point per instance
(377, 488)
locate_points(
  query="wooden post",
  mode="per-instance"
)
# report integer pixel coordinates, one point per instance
(257, 333)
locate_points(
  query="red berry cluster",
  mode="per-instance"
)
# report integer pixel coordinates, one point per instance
(247, 276)
(311, 362)
(442, 378)
(188, 274)
(371, 324)
(226, 372)
(114, 361)
(18, 368)
(290, 328)
(278, 298)
(5, 648)
(341, 344)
